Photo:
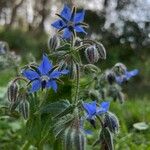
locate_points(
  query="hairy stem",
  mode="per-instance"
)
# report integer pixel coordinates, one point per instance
(77, 83)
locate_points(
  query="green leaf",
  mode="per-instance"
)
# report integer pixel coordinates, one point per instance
(62, 124)
(65, 47)
(33, 129)
(55, 108)
(68, 110)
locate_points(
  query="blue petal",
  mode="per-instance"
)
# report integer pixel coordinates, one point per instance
(104, 106)
(119, 79)
(66, 12)
(90, 108)
(45, 65)
(58, 24)
(52, 84)
(79, 17)
(88, 132)
(36, 85)
(79, 29)
(132, 73)
(55, 74)
(29, 74)
(67, 34)
(65, 71)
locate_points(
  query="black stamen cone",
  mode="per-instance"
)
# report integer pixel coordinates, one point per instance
(43, 84)
(92, 121)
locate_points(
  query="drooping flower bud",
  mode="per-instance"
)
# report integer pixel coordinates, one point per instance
(73, 70)
(12, 92)
(74, 137)
(53, 43)
(14, 105)
(24, 109)
(92, 54)
(110, 76)
(94, 94)
(120, 97)
(111, 121)
(101, 50)
(119, 69)
(78, 42)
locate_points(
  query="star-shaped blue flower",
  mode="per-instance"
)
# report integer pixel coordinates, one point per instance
(128, 74)
(45, 76)
(70, 21)
(92, 109)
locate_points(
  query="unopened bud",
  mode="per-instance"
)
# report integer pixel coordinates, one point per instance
(14, 105)
(110, 76)
(101, 50)
(73, 68)
(120, 97)
(24, 109)
(78, 42)
(92, 54)
(74, 138)
(111, 121)
(94, 94)
(119, 69)
(53, 43)
(12, 92)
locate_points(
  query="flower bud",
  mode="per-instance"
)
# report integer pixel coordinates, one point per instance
(120, 97)
(119, 69)
(12, 92)
(74, 139)
(111, 121)
(110, 76)
(78, 42)
(93, 94)
(113, 91)
(24, 109)
(92, 54)
(14, 105)
(53, 43)
(101, 50)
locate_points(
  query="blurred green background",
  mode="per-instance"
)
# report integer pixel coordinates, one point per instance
(123, 26)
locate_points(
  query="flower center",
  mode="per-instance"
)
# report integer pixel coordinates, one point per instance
(70, 25)
(44, 80)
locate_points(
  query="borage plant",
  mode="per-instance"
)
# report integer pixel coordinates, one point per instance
(63, 103)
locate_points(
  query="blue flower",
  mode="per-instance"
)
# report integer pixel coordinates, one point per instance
(104, 107)
(92, 109)
(45, 75)
(70, 21)
(128, 74)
